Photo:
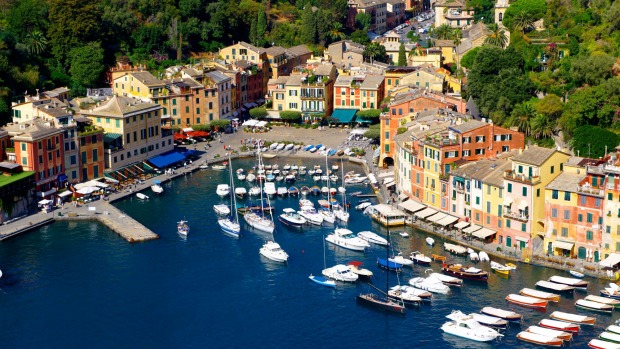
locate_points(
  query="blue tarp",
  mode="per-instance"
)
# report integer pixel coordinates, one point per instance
(167, 159)
(344, 116)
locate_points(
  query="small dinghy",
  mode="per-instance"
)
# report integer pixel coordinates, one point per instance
(565, 336)
(142, 196)
(419, 258)
(240, 192)
(372, 237)
(526, 301)
(425, 295)
(576, 274)
(559, 325)
(473, 256)
(484, 257)
(389, 265)
(600, 344)
(576, 283)
(573, 318)
(438, 258)
(555, 287)
(404, 234)
(613, 329)
(355, 267)
(446, 279)
(500, 268)
(293, 191)
(605, 300)
(322, 280)
(430, 241)
(610, 337)
(540, 339)
(594, 306)
(502, 314)
(551, 297)
(511, 266)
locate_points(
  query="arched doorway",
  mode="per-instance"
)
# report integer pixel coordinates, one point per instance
(388, 161)
(582, 252)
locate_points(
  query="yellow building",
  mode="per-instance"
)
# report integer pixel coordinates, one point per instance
(243, 51)
(140, 84)
(432, 171)
(448, 50)
(425, 77)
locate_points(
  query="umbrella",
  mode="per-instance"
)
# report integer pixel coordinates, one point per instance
(44, 202)
(87, 190)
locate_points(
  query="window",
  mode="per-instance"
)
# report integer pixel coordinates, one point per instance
(523, 227)
(94, 154)
(582, 200)
(84, 158)
(589, 235)
(387, 148)
(552, 169)
(508, 223)
(566, 196)
(524, 191)
(197, 111)
(579, 217)
(488, 206)
(564, 232)
(477, 200)
(480, 151)
(554, 213)
(466, 153)
(510, 187)
(589, 218)
(554, 232)
(118, 123)
(479, 139)
(24, 160)
(554, 194)
(597, 202)
(466, 140)
(566, 214)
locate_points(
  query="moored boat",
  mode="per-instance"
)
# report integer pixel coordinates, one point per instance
(605, 300)
(156, 187)
(613, 329)
(601, 344)
(610, 337)
(292, 218)
(540, 339)
(576, 274)
(142, 196)
(555, 287)
(594, 306)
(355, 267)
(455, 249)
(404, 294)
(577, 283)
(438, 258)
(345, 238)
(389, 265)
(500, 268)
(559, 325)
(430, 241)
(183, 228)
(526, 301)
(467, 327)
(293, 191)
(446, 279)
(419, 258)
(401, 260)
(274, 252)
(430, 284)
(573, 318)
(565, 336)
(470, 273)
(551, 297)
(321, 280)
(502, 314)
(221, 209)
(240, 192)
(340, 272)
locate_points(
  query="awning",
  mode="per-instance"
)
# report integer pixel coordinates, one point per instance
(344, 116)
(377, 153)
(45, 202)
(62, 177)
(447, 220)
(388, 180)
(472, 229)
(385, 174)
(507, 201)
(436, 217)
(425, 213)
(461, 225)
(403, 196)
(111, 137)
(563, 245)
(411, 206)
(611, 261)
(168, 159)
(250, 123)
(518, 238)
(65, 193)
(522, 205)
(483, 233)
(391, 184)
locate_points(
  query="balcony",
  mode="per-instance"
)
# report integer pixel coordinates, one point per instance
(521, 177)
(519, 215)
(612, 168)
(589, 190)
(459, 188)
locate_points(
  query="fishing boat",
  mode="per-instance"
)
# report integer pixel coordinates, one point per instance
(419, 258)
(594, 306)
(355, 267)
(605, 300)
(340, 272)
(526, 301)
(156, 187)
(502, 314)
(240, 192)
(466, 327)
(430, 241)
(573, 318)
(551, 297)
(430, 284)
(322, 280)
(565, 336)
(601, 344)
(576, 283)
(405, 294)
(293, 191)
(461, 272)
(291, 218)
(500, 269)
(610, 337)
(142, 196)
(389, 265)
(222, 190)
(401, 260)
(183, 228)
(446, 279)
(221, 209)
(273, 251)
(345, 238)
(511, 266)
(540, 339)
(555, 287)
(559, 325)
(230, 224)
(576, 274)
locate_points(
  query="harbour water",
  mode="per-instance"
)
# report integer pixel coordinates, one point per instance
(73, 284)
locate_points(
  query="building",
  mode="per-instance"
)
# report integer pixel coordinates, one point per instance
(358, 92)
(392, 76)
(420, 56)
(218, 93)
(395, 14)
(40, 106)
(346, 53)
(611, 210)
(140, 84)
(243, 51)
(16, 190)
(133, 131)
(500, 9)
(91, 159)
(454, 13)
(183, 104)
(473, 37)
(425, 77)
(376, 9)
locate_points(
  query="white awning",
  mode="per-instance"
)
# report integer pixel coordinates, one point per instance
(187, 129)
(507, 201)
(388, 180)
(391, 184)
(425, 213)
(65, 193)
(484, 233)
(472, 229)
(522, 205)
(447, 220)
(436, 217)
(403, 196)
(563, 245)
(385, 174)
(461, 225)
(411, 206)
(250, 123)
(388, 210)
(518, 238)
(611, 261)
(45, 202)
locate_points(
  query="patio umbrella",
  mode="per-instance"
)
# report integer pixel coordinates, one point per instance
(87, 190)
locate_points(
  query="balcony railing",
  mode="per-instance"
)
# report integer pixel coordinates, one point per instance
(518, 215)
(590, 190)
(521, 177)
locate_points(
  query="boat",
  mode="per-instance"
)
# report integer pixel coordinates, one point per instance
(467, 327)
(554, 287)
(511, 266)
(345, 238)
(455, 249)
(401, 260)
(576, 283)
(484, 320)
(404, 234)
(502, 314)
(270, 190)
(601, 344)
(386, 214)
(461, 272)
(473, 256)
(355, 194)
(362, 206)
(430, 284)
(540, 339)
(142, 196)
(430, 241)
(594, 306)
(289, 146)
(551, 297)
(308, 147)
(438, 258)
(605, 300)
(311, 215)
(282, 192)
(254, 191)
(273, 251)
(292, 218)
(315, 190)
(221, 209)
(222, 190)
(405, 294)
(446, 279)
(354, 266)
(251, 177)
(280, 147)
(219, 167)
(573, 318)
(389, 265)
(484, 257)
(240, 192)
(273, 146)
(576, 274)
(230, 224)
(341, 212)
(204, 166)
(290, 178)
(156, 187)
(322, 280)
(183, 228)
(294, 167)
(293, 191)
(340, 272)
(241, 176)
(565, 336)
(257, 220)
(419, 258)
(613, 291)
(610, 337)
(500, 269)
(304, 190)
(526, 301)
(613, 329)
(559, 325)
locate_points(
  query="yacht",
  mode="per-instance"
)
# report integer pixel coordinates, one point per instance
(372, 237)
(259, 222)
(156, 187)
(273, 251)
(340, 272)
(430, 284)
(310, 213)
(466, 327)
(345, 238)
(292, 218)
(222, 190)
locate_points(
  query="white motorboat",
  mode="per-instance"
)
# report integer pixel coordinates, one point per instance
(467, 327)
(273, 146)
(484, 257)
(577, 274)
(156, 187)
(540, 339)
(280, 147)
(419, 258)
(362, 206)
(305, 202)
(289, 146)
(204, 166)
(292, 218)
(310, 213)
(282, 191)
(554, 287)
(142, 196)
(251, 177)
(340, 272)
(447, 279)
(474, 257)
(430, 241)
(241, 176)
(221, 209)
(273, 251)
(328, 216)
(430, 284)
(565, 336)
(372, 237)
(424, 295)
(500, 268)
(294, 167)
(399, 259)
(345, 238)
(240, 192)
(340, 213)
(405, 294)
(490, 321)
(183, 228)
(222, 190)
(354, 266)
(254, 191)
(270, 189)
(219, 167)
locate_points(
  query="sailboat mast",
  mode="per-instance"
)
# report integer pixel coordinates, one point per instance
(344, 186)
(233, 199)
(328, 189)
(260, 183)
(387, 256)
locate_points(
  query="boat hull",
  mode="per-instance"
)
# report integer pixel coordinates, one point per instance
(540, 340)
(381, 304)
(321, 280)
(502, 314)
(482, 277)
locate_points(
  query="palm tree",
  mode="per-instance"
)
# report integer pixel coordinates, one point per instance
(36, 42)
(336, 32)
(443, 32)
(497, 37)
(456, 36)
(373, 50)
(521, 117)
(542, 126)
(522, 22)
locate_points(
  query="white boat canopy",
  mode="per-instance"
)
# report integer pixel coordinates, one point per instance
(425, 213)
(611, 261)
(447, 220)
(461, 225)
(436, 217)
(563, 245)
(483, 233)
(472, 229)
(411, 206)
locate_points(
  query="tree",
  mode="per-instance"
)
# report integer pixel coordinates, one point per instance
(308, 34)
(497, 37)
(590, 141)
(374, 132)
(375, 51)
(369, 114)
(87, 67)
(468, 58)
(362, 21)
(36, 42)
(533, 10)
(336, 32)
(443, 32)
(592, 70)
(261, 24)
(290, 115)
(258, 113)
(542, 127)
(551, 106)
(596, 105)
(360, 36)
(521, 117)
(522, 21)
(402, 56)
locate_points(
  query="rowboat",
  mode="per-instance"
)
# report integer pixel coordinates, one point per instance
(599, 344)
(576, 274)
(438, 258)
(470, 273)
(555, 287)
(540, 339)
(551, 297)
(569, 281)
(526, 301)
(142, 196)
(501, 313)
(613, 329)
(573, 318)
(511, 266)
(559, 325)
(500, 269)
(594, 306)
(610, 337)
(565, 336)
(490, 321)
(613, 302)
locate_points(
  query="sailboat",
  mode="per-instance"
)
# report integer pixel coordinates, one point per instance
(322, 280)
(382, 302)
(326, 212)
(341, 211)
(230, 224)
(258, 220)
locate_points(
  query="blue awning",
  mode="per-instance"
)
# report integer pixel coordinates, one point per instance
(167, 159)
(344, 116)
(62, 177)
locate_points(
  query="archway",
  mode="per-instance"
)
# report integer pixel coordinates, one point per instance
(582, 252)
(388, 161)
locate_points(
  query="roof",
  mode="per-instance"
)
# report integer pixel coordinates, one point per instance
(217, 77)
(9, 165)
(294, 80)
(55, 92)
(4, 180)
(449, 3)
(324, 70)
(146, 78)
(476, 31)
(566, 181)
(32, 130)
(468, 126)
(298, 50)
(344, 116)
(465, 46)
(275, 50)
(496, 176)
(372, 82)
(443, 43)
(191, 72)
(344, 80)
(109, 137)
(166, 159)
(251, 47)
(120, 106)
(534, 155)
(476, 169)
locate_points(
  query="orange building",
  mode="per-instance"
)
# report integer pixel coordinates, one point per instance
(92, 157)
(358, 92)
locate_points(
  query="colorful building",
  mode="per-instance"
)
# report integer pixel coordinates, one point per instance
(140, 84)
(611, 210)
(358, 92)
